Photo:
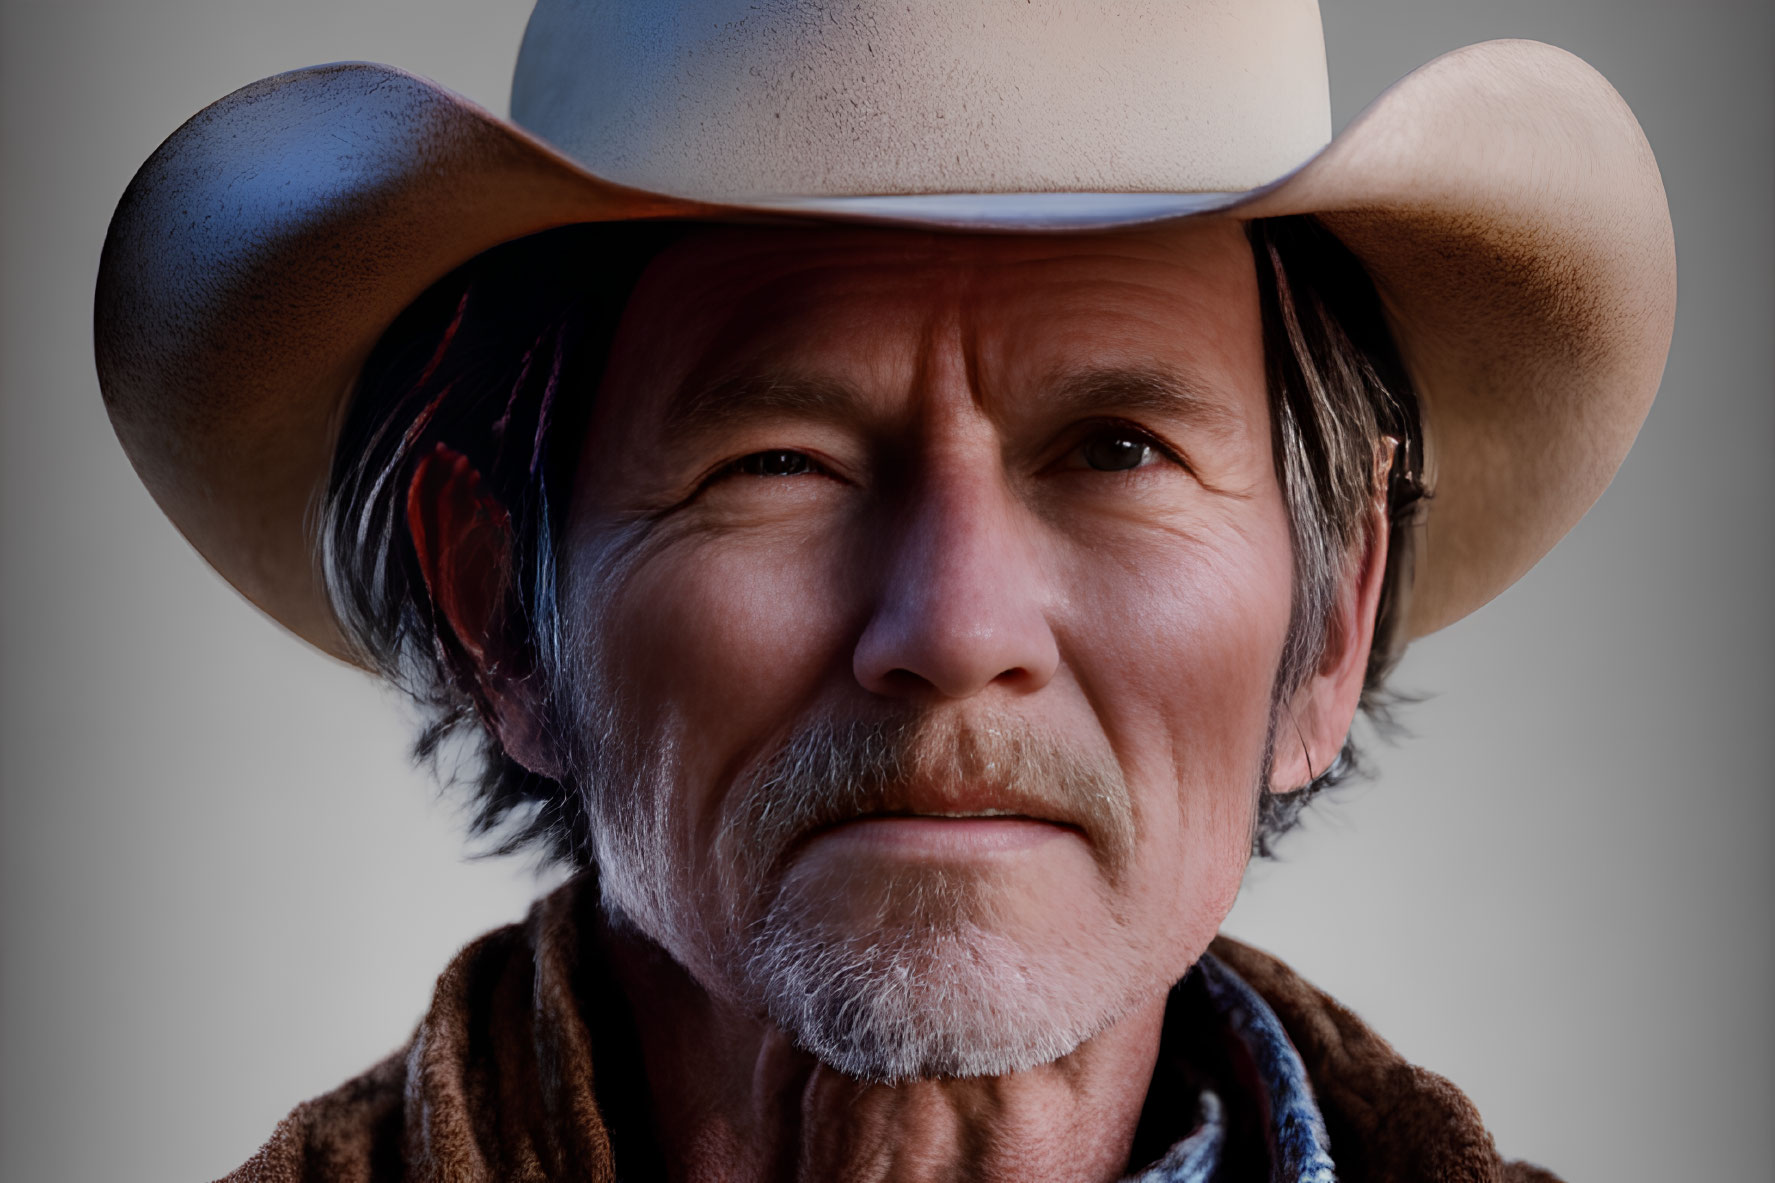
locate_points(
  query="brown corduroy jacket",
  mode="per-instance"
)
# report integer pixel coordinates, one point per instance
(510, 1078)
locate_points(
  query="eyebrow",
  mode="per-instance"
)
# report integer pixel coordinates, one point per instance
(705, 406)
(698, 407)
(1149, 390)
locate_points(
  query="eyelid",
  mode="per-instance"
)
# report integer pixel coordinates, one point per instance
(730, 467)
(1082, 433)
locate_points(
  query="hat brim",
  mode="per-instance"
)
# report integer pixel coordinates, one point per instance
(1502, 197)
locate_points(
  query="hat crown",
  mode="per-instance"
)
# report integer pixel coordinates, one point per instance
(765, 99)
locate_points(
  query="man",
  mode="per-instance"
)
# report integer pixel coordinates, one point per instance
(914, 630)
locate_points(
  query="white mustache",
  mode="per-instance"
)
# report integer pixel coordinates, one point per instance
(831, 771)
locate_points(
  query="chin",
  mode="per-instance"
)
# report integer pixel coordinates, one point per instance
(934, 972)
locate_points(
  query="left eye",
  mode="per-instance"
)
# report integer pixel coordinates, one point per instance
(1116, 451)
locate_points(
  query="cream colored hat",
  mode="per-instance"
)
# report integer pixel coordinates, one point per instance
(1502, 197)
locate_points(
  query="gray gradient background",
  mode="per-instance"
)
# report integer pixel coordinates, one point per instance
(224, 889)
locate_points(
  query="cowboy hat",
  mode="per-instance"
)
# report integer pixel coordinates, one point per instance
(1502, 197)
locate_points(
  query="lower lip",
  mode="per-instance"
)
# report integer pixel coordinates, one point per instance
(944, 837)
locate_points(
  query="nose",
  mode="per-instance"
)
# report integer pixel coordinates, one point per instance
(961, 597)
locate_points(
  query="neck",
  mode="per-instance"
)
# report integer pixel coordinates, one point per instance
(734, 1100)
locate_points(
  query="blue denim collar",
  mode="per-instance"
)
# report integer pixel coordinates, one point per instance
(1282, 1096)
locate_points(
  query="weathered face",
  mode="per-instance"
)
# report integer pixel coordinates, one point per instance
(929, 593)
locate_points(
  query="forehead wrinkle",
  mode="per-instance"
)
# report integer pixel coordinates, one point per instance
(946, 333)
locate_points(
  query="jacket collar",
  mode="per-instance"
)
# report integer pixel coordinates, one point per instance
(525, 1067)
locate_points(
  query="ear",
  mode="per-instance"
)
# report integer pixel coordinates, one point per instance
(462, 538)
(1316, 721)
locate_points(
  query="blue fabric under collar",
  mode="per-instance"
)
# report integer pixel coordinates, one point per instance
(1293, 1127)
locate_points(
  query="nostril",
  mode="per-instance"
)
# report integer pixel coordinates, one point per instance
(901, 682)
(1016, 677)
(901, 675)
(904, 681)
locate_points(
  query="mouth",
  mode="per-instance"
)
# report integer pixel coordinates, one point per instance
(942, 835)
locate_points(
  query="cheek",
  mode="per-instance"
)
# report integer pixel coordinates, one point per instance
(721, 644)
(1178, 652)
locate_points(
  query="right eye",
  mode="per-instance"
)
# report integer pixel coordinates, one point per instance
(780, 462)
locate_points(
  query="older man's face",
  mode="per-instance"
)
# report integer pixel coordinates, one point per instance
(930, 593)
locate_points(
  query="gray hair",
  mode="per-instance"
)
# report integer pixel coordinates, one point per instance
(1342, 405)
(500, 361)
